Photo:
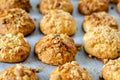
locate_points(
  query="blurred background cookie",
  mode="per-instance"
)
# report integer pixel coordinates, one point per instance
(56, 49)
(13, 48)
(118, 7)
(16, 20)
(114, 1)
(8, 4)
(99, 19)
(103, 42)
(46, 5)
(19, 72)
(89, 6)
(58, 21)
(70, 71)
(111, 70)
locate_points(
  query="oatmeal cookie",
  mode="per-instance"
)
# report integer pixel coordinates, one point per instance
(89, 6)
(56, 49)
(103, 42)
(9, 4)
(114, 1)
(19, 72)
(13, 48)
(57, 22)
(118, 7)
(70, 71)
(16, 20)
(99, 19)
(111, 70)
(46, 5)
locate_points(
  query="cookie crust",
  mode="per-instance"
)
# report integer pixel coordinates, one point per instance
(58, 22)
(13, 48)
(70, 71)
(56, 49)
(46, 5)
(103, 43)
(19, 72)
(16, 20)
(99, 19)
(89, 6)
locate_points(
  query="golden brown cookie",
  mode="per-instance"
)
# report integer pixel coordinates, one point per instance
(114, 1)
(19, 72)
(8, 4)
(111, 70)
(16, 20)
(118, 7)
(99, 19)
(56, 49)
(89, 6)
(70, 71)
(13, 48)
(46, 5)
(57, 22)
(103, 42)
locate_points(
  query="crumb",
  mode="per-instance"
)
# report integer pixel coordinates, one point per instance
(105, 61)
(78, 46)
(35, 19)
(112, 7)
(90, 56)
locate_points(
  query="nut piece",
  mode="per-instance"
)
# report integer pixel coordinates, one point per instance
(9, 4)
(58, 22)
(16, 20)
(56, 49)
(13, 48)
(103, 42)
(111, 70)
(19, 72)
(46, 5)
(70, 71)
(89, 6)
(99, 19)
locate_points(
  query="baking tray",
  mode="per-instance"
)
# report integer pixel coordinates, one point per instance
(93, 65)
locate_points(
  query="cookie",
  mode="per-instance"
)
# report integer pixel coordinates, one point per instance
(89, 6)
(114, 1)
(9, 4)
(118, 7)
(46, 5)
(99, 19)
(103, 43)
(58, 22)
(111, 70)
(16, 20)
(70, 71)
(55, 49)
(19, 72)
(13, 48)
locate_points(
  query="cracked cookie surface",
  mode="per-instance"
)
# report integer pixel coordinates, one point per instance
(58, 22)
(13, 48)
(89, 6)
(9, 4)
(16, 20)
(111, 70)
(55, 49)
(99, 19)
(103, 42)
(19, 72)
(46, 5)
(70, 71)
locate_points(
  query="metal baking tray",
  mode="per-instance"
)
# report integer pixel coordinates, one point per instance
(93, 65)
